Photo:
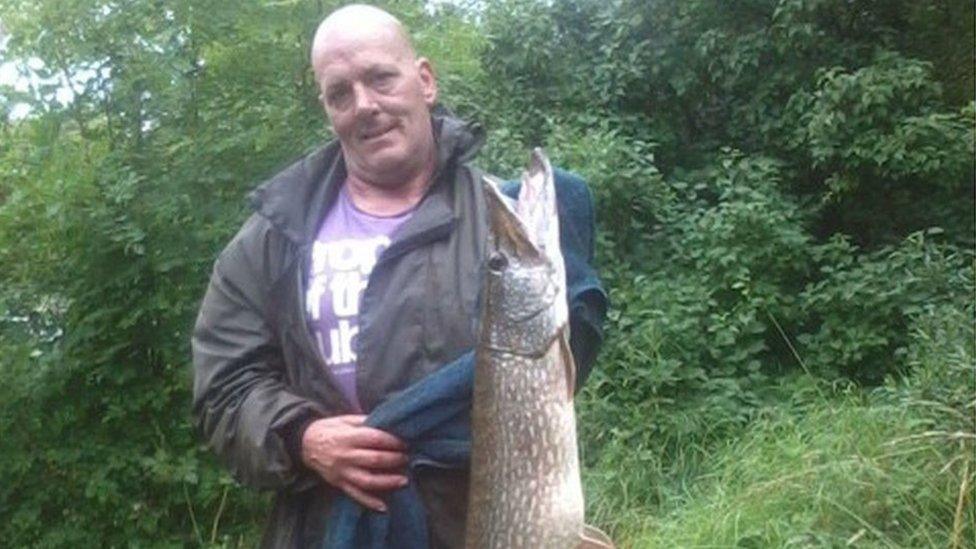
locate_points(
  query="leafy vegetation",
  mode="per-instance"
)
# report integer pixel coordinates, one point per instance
(822, 466)
(786, 227)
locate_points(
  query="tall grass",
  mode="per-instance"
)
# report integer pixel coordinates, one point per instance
(890, 467)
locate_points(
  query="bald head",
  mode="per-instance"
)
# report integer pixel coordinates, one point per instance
(358, 21)
(377, 94)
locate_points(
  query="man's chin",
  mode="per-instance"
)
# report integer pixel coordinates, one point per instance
(388, 170)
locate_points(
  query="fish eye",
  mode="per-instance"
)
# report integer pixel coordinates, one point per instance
(497, 262)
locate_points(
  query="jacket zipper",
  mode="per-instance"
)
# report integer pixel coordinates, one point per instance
(397, 249)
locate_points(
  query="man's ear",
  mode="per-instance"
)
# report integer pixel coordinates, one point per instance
(428, 80)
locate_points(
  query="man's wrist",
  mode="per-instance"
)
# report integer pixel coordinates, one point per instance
(294, 433)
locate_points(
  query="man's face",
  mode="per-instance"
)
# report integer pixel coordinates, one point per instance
(378, 97)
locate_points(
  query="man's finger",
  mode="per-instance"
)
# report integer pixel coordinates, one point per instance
(374, 482)
(377, 459)
(368, 437)
(351, 419)
(366, 499)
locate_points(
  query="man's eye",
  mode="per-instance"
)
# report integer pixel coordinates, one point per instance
(384, 79)
(336, 97)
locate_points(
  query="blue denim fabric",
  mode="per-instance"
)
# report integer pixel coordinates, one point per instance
(433, 415)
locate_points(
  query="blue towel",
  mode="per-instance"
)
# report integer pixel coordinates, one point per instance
(433, 416)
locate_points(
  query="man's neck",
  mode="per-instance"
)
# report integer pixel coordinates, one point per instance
(387, 200)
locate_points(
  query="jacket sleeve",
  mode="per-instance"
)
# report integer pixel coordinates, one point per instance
(588, 300)
(241, 404)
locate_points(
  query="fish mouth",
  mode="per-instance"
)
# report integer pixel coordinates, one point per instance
(505, 221)
(529, 223)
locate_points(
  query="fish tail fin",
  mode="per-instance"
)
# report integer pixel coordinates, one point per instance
(593, 538)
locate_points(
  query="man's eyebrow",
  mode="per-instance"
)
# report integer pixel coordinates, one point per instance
(371, 71)
(381, 67)
(334, 86)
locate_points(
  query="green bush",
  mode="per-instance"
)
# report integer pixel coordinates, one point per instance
(865, 303)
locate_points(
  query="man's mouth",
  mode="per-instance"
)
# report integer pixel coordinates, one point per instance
(373, 134)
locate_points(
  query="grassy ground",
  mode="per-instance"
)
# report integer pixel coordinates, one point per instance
(891, 467)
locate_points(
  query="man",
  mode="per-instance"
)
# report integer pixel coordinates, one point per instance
(357, 276)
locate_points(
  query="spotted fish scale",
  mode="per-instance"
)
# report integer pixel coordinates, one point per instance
(525, 487)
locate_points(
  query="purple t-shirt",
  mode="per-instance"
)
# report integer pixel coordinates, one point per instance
(346, 247)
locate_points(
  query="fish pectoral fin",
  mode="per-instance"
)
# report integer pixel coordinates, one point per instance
(569, 365)
(593, 538)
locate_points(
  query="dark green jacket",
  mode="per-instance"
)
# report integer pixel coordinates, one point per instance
(257, 371)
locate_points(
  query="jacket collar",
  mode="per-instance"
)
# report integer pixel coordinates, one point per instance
(297, 198)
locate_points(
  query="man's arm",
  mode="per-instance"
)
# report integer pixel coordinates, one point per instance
(241, 404)
(269, 436)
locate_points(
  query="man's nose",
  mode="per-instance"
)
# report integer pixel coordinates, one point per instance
(365, 100)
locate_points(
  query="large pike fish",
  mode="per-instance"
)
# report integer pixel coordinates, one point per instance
(525, 486)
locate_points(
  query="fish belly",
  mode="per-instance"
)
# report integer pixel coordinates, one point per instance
(525, 486)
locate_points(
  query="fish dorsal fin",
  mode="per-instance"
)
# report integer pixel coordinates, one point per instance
(593, 538)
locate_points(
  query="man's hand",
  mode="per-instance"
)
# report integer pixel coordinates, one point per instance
(357, 459)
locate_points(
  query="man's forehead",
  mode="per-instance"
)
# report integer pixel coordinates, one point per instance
(359, 57)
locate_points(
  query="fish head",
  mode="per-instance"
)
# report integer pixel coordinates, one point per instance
(524, 305)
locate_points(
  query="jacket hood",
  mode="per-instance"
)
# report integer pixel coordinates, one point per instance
(296, 199)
